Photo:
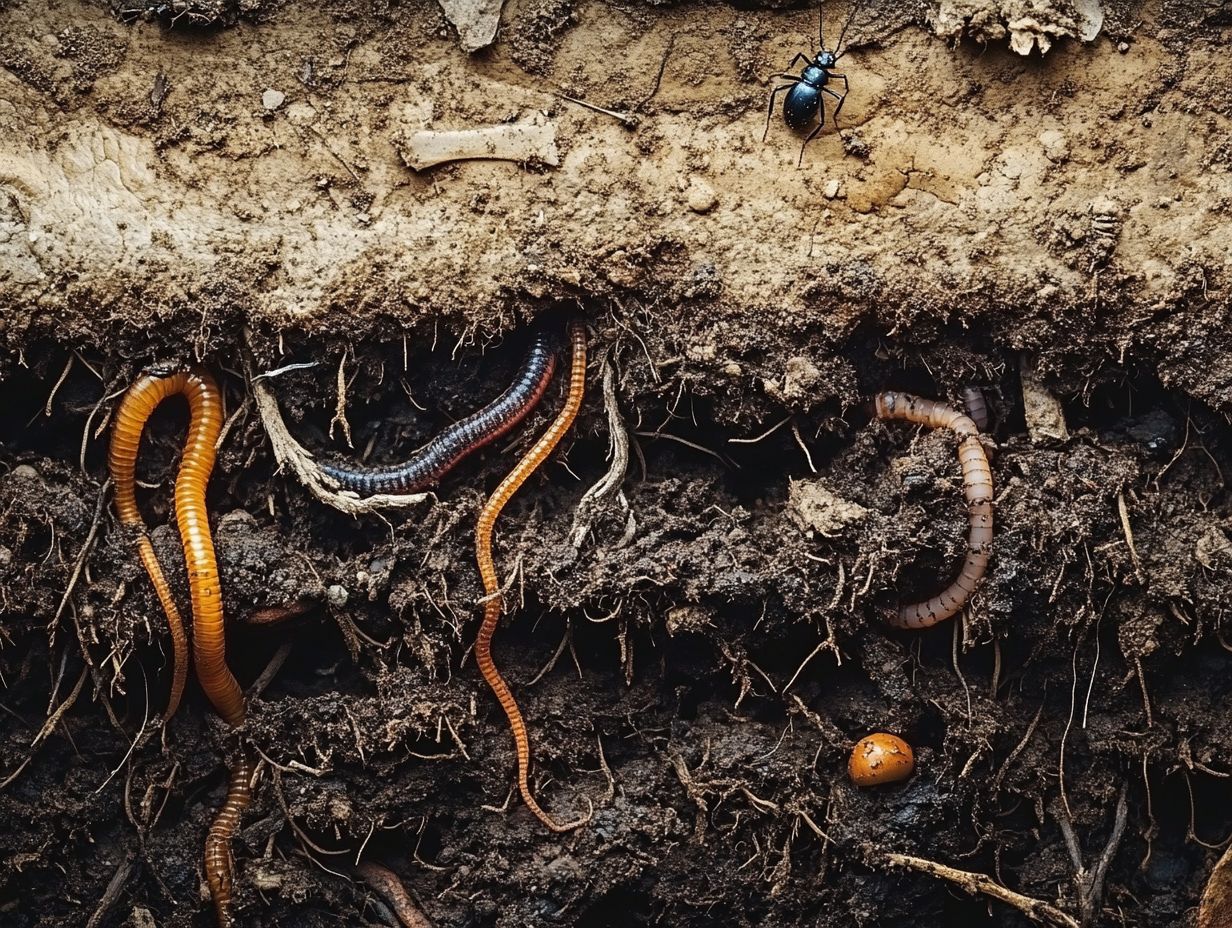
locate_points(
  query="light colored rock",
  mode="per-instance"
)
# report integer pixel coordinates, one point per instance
(1028, 24)
(701, 196)
(1056, 145)
(272, 99)
(688, 618)
(1214, 550)
(1043, 412)
(814, 507)
(475, 20)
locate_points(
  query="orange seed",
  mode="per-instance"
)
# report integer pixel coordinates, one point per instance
(880, 758)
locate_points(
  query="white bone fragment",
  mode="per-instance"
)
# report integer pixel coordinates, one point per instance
(508, 142)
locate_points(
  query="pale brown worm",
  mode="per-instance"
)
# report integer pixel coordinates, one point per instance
(387, 884)
(977, 490)
(977, 406)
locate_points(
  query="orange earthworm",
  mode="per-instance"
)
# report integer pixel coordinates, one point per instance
(977, 489)
(192, 518)
(205, 407)
(487, 570)
(138, 404)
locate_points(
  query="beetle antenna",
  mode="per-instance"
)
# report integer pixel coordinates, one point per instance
(855, 6)
(821, 28)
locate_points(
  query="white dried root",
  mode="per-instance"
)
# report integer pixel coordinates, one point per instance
(291, 454)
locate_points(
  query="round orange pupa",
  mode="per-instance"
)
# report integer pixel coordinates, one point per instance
(880, 758)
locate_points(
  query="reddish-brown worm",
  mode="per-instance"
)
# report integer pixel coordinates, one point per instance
(487, 569)
(386, 882)
(977, 490)
(219, 863)
(192, 518)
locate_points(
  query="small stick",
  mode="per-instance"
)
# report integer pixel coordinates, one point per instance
(628, 120)
(1035, 909)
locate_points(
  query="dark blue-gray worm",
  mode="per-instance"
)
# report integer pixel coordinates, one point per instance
(440, 455)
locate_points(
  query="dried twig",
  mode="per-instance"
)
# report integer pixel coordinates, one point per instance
(1090, 883)
(1035, 909)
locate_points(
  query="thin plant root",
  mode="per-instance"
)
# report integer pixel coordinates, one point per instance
(608, 486)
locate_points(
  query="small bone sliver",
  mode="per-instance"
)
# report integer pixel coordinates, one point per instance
(508, 142)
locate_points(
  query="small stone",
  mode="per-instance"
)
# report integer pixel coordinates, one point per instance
(831, 189)
(732, 369)
(1056, 145)
(701, 196)
(1122, 47)
(272, 99)
(688, 618)
(337, 596)
(24, 472)
(815, 508)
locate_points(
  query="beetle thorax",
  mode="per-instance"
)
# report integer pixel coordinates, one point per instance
(814, 75)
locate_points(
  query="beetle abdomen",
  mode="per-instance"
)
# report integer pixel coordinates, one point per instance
(800, 106)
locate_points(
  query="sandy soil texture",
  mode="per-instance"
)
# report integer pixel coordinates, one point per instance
(228, 181)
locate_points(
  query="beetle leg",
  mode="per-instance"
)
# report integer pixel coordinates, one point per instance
(840, 97)
(821, 121)
(770, 108)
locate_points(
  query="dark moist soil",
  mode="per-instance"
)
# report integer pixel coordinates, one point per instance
(678, 645)
(701, 667)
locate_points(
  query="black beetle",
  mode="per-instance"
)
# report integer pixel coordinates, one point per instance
(804, 101)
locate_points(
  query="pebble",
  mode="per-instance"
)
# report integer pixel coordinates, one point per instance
(1056, 145)
(272, 99)
(337, 596)
(832, 188)
(701, 196)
